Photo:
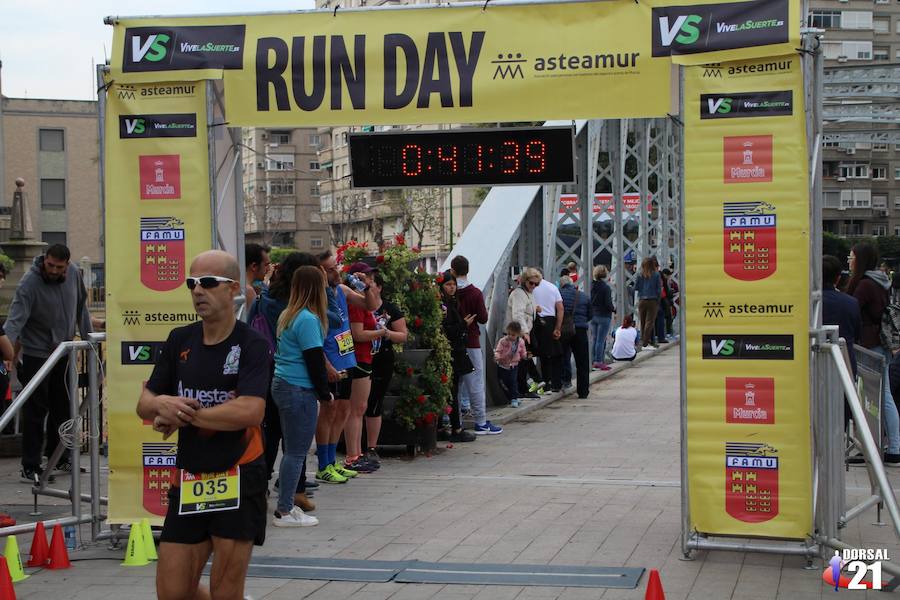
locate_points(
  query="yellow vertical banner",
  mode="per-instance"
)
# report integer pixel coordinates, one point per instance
(157, 217)
(747, 289)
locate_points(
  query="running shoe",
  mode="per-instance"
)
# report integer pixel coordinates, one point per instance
(342, 469)
(514, 403)
(488, 428)
(536, 388)
(295, 518)
(330, 475)
(372, 457)
(33, 476)
(361, 466)
(462, 436)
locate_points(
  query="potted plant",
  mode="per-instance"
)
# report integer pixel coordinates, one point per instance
(423, 366)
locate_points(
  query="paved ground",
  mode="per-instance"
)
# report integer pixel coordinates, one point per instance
(577, 482)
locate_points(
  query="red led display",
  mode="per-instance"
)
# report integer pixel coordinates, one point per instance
(501, 156)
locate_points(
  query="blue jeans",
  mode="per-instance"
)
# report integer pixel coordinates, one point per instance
(298, 409)
(600, 331)
(509, 379)
(889, 417)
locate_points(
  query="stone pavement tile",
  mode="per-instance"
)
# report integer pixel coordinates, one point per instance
(582, 593)
(750, 583)
(419, 591)
(394, 551)
(539, 592)
(498, 592)
(294, 589)
(322, 590)
(575, 553)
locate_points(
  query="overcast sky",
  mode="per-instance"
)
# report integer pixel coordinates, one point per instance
(48, 48)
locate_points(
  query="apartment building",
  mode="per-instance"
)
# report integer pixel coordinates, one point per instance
(281, 177)
(53, 146)
(861, 179)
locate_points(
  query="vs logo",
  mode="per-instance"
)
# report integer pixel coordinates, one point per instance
(723, 347)
(141, 353)
(721, 106)
(135, 126)
(154, 48)
(685, 29)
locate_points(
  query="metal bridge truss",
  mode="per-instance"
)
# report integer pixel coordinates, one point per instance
(627, 207)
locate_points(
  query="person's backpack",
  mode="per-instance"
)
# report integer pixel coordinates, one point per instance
(567, 329)
(260, 324)
(890, 327)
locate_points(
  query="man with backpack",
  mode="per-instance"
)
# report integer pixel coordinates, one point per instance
(574, 336)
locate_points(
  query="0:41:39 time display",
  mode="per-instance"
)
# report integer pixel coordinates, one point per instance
(509, 158)
(502, 156)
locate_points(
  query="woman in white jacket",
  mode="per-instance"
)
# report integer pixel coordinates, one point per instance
(520, 307)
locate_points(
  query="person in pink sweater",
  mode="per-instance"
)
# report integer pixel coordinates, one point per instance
(509, 351)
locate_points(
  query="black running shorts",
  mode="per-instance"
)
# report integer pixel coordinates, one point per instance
(247, 522)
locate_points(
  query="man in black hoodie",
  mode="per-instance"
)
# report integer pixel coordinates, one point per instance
(50, 300)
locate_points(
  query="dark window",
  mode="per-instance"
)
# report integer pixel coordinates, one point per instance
(53, 193)
(53, 237)
(52, 140)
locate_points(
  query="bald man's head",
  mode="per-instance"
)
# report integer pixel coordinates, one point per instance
(216, 262)
(215, 302)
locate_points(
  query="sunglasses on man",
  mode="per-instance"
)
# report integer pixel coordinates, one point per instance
(207, 282)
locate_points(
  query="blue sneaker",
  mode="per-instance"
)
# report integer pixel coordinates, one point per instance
(514, 403)
(487, 428)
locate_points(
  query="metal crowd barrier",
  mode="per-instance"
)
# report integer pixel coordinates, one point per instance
(835, 386)
(79, 411)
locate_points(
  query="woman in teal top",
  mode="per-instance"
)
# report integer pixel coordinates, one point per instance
(299, 381)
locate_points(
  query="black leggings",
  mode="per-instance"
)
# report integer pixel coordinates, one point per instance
(382, 373)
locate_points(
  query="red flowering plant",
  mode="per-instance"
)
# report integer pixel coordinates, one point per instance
(424, 388)
(351, 252)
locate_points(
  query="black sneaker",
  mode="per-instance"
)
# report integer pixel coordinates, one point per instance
(462, 436)
(891, 460)
(361, 466)
(530, 395)
(443, 435)
(311, 484)
(63, 467)
(33, 476)
(371, 456)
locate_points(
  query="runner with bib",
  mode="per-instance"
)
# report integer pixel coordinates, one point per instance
(209, 384)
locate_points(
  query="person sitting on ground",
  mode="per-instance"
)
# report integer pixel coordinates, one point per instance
(509, 351)
(626, 337)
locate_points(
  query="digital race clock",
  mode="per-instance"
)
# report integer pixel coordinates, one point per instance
(458, 157)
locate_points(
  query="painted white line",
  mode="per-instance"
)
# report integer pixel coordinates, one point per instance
(539, 574)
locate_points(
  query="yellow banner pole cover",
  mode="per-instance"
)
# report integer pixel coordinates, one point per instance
(157, 217)
(747, 291)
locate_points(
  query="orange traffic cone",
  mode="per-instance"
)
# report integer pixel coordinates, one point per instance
(59, 556)
(40, 552)
(654, 587)
(7, 591)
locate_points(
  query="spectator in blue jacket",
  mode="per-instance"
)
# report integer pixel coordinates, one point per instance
(602, 310)
(577, 304)
(649, 288)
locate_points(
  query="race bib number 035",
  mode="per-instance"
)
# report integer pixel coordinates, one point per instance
(209, 492)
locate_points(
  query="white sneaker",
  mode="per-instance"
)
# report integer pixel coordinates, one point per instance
(295, 518)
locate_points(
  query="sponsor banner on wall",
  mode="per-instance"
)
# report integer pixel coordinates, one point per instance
(157, 218)
(746, 273)
(458, 64)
